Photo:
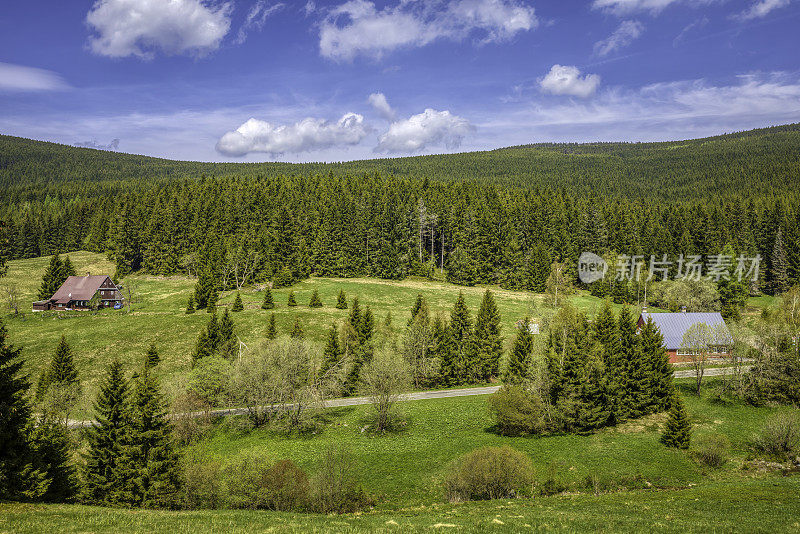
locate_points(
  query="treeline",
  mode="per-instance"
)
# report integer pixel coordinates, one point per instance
(236, 231)
(593, 375)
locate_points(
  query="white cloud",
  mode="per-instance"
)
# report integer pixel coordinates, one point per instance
(256, 18)
(358, 27)
(429, 128)
(309, 134)
(626, 7)
(625, 34)
(379, 103)
(142, 27)
(113, 145)
(690, 28)
(566, 80)
(761, 9)
(21, 78)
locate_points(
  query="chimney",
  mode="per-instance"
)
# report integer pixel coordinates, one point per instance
(683, 309)
(644, 308)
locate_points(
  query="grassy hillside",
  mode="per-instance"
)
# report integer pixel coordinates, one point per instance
(159, 317)
(752, 505)
(674, 169)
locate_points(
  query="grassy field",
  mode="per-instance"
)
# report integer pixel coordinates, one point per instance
(158, 315)
(766, 505)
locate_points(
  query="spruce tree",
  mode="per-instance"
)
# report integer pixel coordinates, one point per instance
(341, 301)
(487, 338)
(268, 303)
(237, 303)
(297, 329)
(226, 343)
(19, 478)
(519, 358)
(355, 314)
(633, 394)
(660, 388)
(366, 326)
(678, 430)
(271, 329)
(67, 270)
(418, 304)
(332, 353)
(459, 350)
(54, 458)
(594, 409)
(152, 358)
(211, 303)
(605, 330)
(155, 461)
(779, 265)
(51, 280)
(190, 305)
(108, 472)
(60, 374)
(315, 301)
(291, 301)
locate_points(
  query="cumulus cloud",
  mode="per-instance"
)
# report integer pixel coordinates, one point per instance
(256, 18)
(379, 103)
(307, 135)
(761, 9)
(113, 145)
(627, 32)
(429, 128)
(142, 27)
(18, 78)
(566, 80)
(358, 27)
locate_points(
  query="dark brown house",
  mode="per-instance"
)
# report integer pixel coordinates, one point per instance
(83, 293)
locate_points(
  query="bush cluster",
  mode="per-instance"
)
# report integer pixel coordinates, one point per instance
(779, 438)
(489, 473)
(711, 450)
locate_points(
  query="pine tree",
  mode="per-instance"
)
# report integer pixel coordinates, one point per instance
(366, 326)
(779, 265)
(355, 314)
(594, 409)
(519, 358)
(51, 280)
(332, 353)
(226, 344)
(660, 388)
(18, 476)
(67, 270)
(52, 449)
(237, 303)
(459, 349)
(678, 430)
(190, 305)
(341, 301)
(268, 303)
(606, 332)
(155, 461)
(61, 373)
(297, 330)
(211, 303)
(291, 301)
(152, 358)
(271, 329)
(487, 338)
(108, 471)
(633, 394)
(418, 304)
(315, 301)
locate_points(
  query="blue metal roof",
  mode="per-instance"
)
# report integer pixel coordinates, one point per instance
(673, 326)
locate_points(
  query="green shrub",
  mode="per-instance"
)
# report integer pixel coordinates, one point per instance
(711, 450)
(254, 485)
(489, 473)
(201, 486)
(335, 488)
(517, 413)
(780, 437)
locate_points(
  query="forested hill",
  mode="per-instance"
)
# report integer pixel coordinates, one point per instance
(764, 161)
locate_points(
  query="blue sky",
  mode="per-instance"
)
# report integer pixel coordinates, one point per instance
(259, 80)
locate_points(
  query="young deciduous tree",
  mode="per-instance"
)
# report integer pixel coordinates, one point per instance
(383, 379)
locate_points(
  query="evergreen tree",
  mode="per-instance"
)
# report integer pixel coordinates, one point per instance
(51, 280)
(332, 353)
(268, 303)
(226, 342)
(366, 326)
(459, 349)
(291, 301)
(271, 329)
(355, 314)
(152, 358)
(315, 301)
(779, 265)
(60, 374)
(190, 305)
(211, 303)
(594, 409)
(237, 303)
(155, 461)
(341, 301)
(205, 288)
(487, 338)
(633, 392)
(19, 477)
(108, 471)
(67, 270)
(52, 449)
(519, 358)
(606, 332)
(418, 304)
(297, 330)
(660, 388)
(678, 430)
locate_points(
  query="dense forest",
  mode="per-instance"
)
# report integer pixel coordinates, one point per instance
(497, 217)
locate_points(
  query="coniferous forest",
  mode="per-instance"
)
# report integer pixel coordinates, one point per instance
(497, 217)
